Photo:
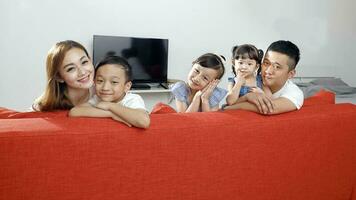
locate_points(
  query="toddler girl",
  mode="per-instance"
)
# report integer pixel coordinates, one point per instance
(246, 62)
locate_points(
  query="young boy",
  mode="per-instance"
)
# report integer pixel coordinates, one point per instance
(112, 83)
(278, 67)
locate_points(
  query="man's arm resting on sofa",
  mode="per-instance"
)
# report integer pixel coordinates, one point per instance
(262, 104)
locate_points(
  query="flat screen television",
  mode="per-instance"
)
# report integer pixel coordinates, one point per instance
(148, 57)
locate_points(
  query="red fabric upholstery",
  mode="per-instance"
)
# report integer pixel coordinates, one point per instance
(307, 154)
(5, 113)
(12, 114)
(320, 98)
(161, 108)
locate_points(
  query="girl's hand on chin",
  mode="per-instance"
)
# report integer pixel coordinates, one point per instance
(240, 78)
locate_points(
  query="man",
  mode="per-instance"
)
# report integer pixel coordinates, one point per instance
(277, 68)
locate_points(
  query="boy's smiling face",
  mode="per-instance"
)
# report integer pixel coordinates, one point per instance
(110, 83)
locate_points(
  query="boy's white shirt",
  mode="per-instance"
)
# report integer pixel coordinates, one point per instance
(130, 100)
(292, 92)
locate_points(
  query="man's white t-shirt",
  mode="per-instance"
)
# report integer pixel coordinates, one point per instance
(130, 100)
(292, 92)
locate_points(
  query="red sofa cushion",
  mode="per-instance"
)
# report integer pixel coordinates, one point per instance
(162, 108)
(307, 154)
(320, 98)
(6, 113)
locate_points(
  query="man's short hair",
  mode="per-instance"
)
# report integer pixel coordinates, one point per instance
(287, 48)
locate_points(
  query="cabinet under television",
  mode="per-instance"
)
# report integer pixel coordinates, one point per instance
(150, 91)
(152, 88)
(154, 95)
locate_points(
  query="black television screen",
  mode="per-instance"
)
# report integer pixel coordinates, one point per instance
(148, 57)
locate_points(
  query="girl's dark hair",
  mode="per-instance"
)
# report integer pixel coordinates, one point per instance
(212, 61)
(247, 51)
(116, 60)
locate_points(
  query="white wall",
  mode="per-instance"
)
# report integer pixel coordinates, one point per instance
(324, 30)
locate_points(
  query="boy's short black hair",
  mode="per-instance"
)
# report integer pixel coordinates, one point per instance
(116, 60)
(288, 48)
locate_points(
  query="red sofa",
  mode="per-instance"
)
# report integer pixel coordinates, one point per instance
(307, 154)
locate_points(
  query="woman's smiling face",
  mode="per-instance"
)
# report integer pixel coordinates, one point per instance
(76, 70)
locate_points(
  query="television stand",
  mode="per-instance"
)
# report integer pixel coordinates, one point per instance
(156, 93)
(164, 85)
(140, 86)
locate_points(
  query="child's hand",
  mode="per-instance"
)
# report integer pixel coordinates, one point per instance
(256, 90)
(208, 90)
(200, 93)
(103, 105)
(240, 78)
